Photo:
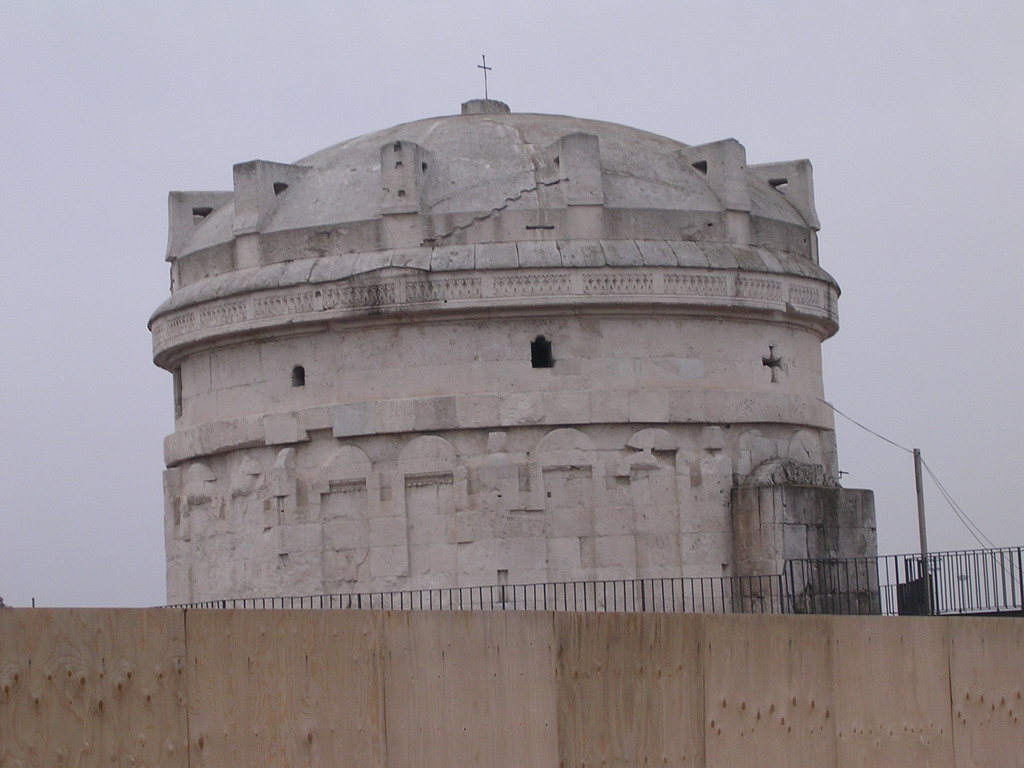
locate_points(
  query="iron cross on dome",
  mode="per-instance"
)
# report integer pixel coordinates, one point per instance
(486, 69)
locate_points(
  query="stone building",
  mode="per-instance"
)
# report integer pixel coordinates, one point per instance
(498, 348)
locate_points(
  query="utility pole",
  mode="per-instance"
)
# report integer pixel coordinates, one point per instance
(925, 575)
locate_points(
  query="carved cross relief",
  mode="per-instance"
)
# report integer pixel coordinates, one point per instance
(773, 362)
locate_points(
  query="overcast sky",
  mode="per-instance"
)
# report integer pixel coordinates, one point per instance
(911, 112)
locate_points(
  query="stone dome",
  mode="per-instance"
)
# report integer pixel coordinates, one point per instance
(483, 162)
(492, 346)
(491, 176)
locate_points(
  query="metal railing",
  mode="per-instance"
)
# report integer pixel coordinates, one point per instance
(737, 594)
(961, 582)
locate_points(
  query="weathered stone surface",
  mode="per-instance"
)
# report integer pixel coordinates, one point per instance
(503, 349)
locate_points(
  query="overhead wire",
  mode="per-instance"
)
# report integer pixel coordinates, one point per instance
(866, 429)
(970, 525)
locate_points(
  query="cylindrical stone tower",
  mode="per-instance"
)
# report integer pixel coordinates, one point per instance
(498, 348)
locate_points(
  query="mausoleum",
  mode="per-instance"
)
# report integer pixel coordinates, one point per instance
(499, 348)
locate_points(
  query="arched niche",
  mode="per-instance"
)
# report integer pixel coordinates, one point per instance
(426, 455)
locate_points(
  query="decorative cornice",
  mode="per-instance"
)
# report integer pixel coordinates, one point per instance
(806, 301)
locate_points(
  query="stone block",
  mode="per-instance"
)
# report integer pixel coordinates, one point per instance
(571, 367)
(615, 551)
(613, 573)
(580, 161)
(471, 525)
(389, 561)
(497, 256)
(234, 367)
(581, 253)
(282, 428)
(339, 577)
(794, 542)
(521, 408)
(720, 256)
(195, 375)
(299, 538)
(433, 413)
(563, 554)
(387, 531)
(432, 528)
(668, 373)
(609, 407)
(411, 258)
(712, 438)
(322, 267)
(611, 521)
(345, 533)
(748, 259)
(342, 566)
(623, 253)
(856, 508)
(370, 262)
(657, 253)
(539, 254)
(657, 555)
(314, 418)
(858, 542)
(527, 553)
(710, 548)
(477, 410)
(566, 407)
(225, 435)
(439, 559)
(689, 254)
(353, 419)
(453, 258)
(771, 262)
(395, 416)
(478, 562)
(568, 521)
(649, 406)
(661, 518)
(201, 408)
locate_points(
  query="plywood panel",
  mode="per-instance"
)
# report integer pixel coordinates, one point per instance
(470, 689)
(285, 688)
(630, 689)
(987, 681)
(768, 691)
(85, 687)
(892, 692)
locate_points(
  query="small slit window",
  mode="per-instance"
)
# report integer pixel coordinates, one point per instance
(177, 393)
(540, 353)
(298, 376)
(279, 187)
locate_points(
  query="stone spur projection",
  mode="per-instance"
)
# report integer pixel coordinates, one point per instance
(498, 348)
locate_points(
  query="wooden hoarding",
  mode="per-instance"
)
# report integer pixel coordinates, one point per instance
(85, 687)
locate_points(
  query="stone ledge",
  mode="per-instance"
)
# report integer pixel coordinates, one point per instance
(492, 411)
